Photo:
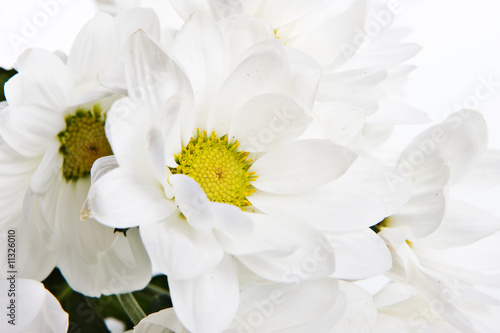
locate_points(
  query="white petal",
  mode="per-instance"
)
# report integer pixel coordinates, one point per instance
(33, 259)
(37, 310)
(345, 27)
(394, 293)
(96, 46)
(15, 173)
(339, 122)
(311, 256)
(359, 254)
(265, 70)
(102, 166)
(307, 301)
(126, 130)
(267, 121)
(152, 76)
(43, 80)
(208, 303)
(425, 209)
(123, 200)
(203, 53)
(29, 128)
(362, 78)
(393, 112)
(362, 197)
(360, 314)
(180, 251)
(306, 74)
(301, 166)
(50, 167)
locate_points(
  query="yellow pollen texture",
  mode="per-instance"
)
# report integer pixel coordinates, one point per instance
(82, 142)
(219, 168)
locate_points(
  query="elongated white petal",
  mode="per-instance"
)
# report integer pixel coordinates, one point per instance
(203, 53)
(15, 172)
(333, 45)
(362, 197)
(96, 46)
(49, 168)
(123, 200)
(301, 166)
(180, 251)
(149, 70)
(208, 303)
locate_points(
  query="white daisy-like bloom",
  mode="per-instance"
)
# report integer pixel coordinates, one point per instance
(54, 129)
(360, 55)
(210, 166)
(29, 307)
(327, 306)
(443, 249)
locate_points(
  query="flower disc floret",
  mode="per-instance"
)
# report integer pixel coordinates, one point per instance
(219, 168)
(82, 142)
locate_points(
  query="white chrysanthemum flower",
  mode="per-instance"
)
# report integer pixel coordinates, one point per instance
(439, 246)
(326, 306)
(54, 125)
(209, 166)
(29, 307)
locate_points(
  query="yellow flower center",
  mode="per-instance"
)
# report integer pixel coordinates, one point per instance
(82, 142)
(219, 168)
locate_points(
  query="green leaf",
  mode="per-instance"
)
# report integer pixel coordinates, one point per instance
(5, 75)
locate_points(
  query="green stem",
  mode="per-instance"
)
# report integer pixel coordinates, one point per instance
(157, 290)
(131, 307)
